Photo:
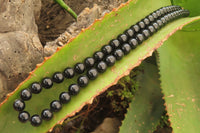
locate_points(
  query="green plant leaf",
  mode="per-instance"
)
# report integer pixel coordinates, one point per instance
(147, 107)
(84, 45)
(180, 76)
(192, 5)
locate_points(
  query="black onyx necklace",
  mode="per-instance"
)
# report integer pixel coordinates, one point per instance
(106, 57)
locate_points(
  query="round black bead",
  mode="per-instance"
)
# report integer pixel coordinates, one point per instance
(151, 29)
(166, 18)
(26, 94)
(118, 54)
(47, 83)
(163, 20)
(155, 25)
(89, 62)
(64, 97)
(155, 16)
(58, 77)
(140, 38)
(73, 89)
(24, 116)
(129, 33)
(19, 105)
(101, 67)
(151, 18)
(161, 11)
(114, 43)
(110, 60)
(98, 56)
(36, 88)
(92, 73)
(133, 43)
(146, 33)
(122, 38)
(106, 49)
(159, 22)
(126, 48)
(55, 106)
(69, 73)
(36, 120)
(83, 81)
(136, 28)
(158, 13)
(141, 24)
(46, 114)
(146, 21)
(79, 68)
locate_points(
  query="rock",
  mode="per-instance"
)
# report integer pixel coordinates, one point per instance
(109, 125)
(20, 47)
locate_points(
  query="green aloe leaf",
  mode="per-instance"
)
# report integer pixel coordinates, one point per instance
(84, 45)
(180, 80)
(147, 107)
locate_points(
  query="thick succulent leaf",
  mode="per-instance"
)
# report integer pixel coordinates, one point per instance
(192, 5)
(147, 107)
(180, 80)
(82, 46)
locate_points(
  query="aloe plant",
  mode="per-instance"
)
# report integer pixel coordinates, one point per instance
(177, 65)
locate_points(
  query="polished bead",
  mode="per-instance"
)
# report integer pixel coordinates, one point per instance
(158, 13)
(159, 22)
(151, 18)
(36, 120)
(73, 89)
(140, 38)
(46, 114)
(155, 16)
(19, 105)
(110, 60)
(114, 43)
(58, 77)
(36, 88)
(136, 28)
(69, 73)
(79, 68)
(141, 24)
(122, 38)
(83, 81)
(169, 16)
(118, 53)
(126, 48)
(161, 11)
(24, 116)
(133, 43)
(155, 25)
(92, 73)
(163, 20)
(89, 62)
(55, 106)
(98, 56)
(146, 21)
(166, 18)
(151, 29)
(129, 33)
(26, 94)
(106, 49)
(164, 10)
(64, 97)
(146, 33)
(101, 67)
(47, 83)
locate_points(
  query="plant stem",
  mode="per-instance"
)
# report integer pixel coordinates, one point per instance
(67, 8)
